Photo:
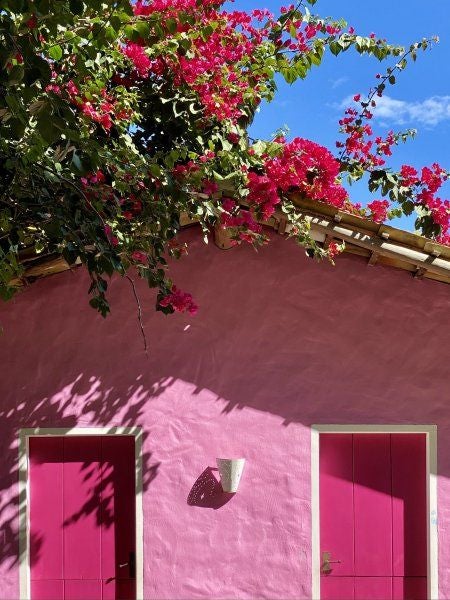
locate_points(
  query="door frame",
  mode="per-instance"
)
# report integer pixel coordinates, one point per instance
(431, 470)
(24, 496)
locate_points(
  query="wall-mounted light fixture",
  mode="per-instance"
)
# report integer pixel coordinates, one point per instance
(230, 471)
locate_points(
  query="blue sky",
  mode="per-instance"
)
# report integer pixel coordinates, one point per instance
(420, 99)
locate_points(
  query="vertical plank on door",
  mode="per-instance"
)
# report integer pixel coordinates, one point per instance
(373, 504)
(336, 501)
(118, 473)
(46, 510)
(409, 504)
(82, 508)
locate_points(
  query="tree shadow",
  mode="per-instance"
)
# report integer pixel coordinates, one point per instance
(48, 413)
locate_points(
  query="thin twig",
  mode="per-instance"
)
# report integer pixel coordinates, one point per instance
(374, 91)
(78, 189)
(141, 325)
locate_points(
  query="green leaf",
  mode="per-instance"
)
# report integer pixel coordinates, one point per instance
(289, 74)
(171, 25)
(55, 52)
(110, 34)
(15, 75)
(142, 28)
(116, 22)
(408, 207)
(316, 59)
(47, 128)
(17, 128)
(77, 163)
(335, 47)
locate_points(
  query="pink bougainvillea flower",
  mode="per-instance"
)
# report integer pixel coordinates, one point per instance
(140, 257)
(210, 187)
(32, 22)
(334, 249)
(233, 137)
(228, 204)
(113, 240)
(136, 53)
(378, 210)
(179, 301)
(409, 175)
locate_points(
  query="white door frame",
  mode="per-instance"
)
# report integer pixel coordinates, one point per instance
(431, 466)
(24, 504)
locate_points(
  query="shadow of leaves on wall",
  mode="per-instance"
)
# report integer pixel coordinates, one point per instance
(100, 408)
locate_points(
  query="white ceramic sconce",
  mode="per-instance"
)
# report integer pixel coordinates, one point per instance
(230, 471)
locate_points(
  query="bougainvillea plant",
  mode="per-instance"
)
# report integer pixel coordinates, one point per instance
(117, 117)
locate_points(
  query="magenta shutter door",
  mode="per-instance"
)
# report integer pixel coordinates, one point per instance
(375, 496)
(82, 517)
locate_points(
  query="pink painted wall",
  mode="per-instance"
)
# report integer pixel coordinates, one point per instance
(281, 342)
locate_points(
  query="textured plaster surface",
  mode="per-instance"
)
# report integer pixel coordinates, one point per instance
(280, 342)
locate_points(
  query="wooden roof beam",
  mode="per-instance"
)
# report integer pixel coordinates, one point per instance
(373, 259)
(373, 243)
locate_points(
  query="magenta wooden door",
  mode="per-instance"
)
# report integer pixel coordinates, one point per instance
(373, 528)
(82, 517)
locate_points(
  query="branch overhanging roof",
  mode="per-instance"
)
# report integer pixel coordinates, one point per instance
(378, 244)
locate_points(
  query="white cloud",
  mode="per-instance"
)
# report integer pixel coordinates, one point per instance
(429, 112)
(335, 83)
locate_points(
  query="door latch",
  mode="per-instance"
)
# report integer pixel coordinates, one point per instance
(326, 567)
(131, 564)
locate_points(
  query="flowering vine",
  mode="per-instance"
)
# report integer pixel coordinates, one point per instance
(115, 119)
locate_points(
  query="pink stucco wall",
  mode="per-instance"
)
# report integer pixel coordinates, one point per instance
(280, 342)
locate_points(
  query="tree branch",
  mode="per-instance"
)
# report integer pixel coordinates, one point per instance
(139, 314)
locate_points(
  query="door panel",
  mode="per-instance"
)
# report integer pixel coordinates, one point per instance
(82, 517)
(46, 510)
(373, 504)
(373, 498)
(117, 497)
(409, 504)
(82, 501)
(336, 501)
